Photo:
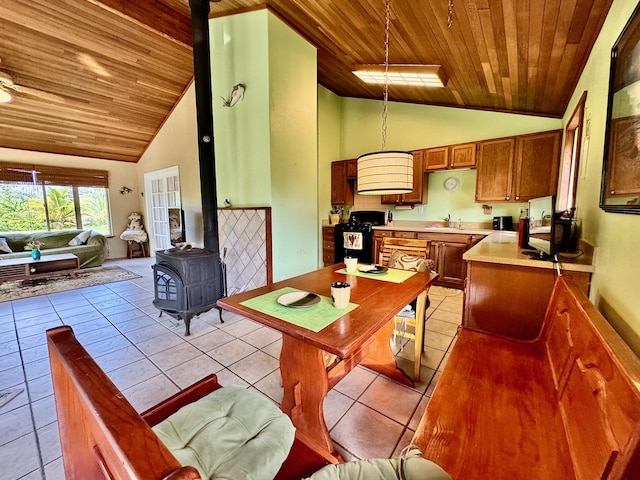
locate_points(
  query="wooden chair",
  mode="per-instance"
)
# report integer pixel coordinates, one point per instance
(408, 246)
(102, 436)
(414, 248)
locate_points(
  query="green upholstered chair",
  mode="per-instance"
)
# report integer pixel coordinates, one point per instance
(230, 433)
(409, 466)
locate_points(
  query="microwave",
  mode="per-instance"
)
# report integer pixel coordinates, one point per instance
(503, 223)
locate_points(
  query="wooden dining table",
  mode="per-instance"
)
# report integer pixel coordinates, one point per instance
(360, 336)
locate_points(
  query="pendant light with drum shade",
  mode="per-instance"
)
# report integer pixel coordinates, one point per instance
(385, 172)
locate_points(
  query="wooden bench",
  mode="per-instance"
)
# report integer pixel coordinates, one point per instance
(102, 436)
(564, 406)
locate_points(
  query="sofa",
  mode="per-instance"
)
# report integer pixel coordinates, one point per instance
(90, 254)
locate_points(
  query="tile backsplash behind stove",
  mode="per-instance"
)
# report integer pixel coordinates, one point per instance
(368, 202)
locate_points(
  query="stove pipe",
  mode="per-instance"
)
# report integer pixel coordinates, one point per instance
(204, 111)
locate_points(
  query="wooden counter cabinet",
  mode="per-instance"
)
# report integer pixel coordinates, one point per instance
(446, 251)
(328, 245)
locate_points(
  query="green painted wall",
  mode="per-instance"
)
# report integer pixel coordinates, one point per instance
(411, 126)
(239, 51)
(293, 115)
(329, 127)
(266, 145)
(614, 289)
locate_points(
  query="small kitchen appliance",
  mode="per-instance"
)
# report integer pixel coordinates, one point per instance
(503, 223)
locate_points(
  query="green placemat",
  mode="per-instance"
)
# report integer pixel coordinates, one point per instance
(314, 318)
(392, 275)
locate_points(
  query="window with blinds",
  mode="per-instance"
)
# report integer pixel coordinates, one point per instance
(45, 197)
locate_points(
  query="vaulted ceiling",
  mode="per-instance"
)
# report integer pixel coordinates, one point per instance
(97, 78)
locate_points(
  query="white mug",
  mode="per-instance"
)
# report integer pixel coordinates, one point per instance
(351, 263)
(340, 294)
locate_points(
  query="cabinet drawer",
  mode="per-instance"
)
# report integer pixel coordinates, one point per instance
(328, 233)
(328, 257)
(382, 233)
(328, 245)
(400, 234)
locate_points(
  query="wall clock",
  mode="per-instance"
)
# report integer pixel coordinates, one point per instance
(451, 184)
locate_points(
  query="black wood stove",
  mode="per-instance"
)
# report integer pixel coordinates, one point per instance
(190, 282)
(187, 283)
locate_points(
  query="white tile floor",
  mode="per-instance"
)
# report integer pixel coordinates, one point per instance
(149, 358)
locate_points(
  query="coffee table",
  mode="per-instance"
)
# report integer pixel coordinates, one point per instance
(359, 337)
(49, 265)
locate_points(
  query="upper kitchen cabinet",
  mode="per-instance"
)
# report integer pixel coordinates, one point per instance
(341, 187)
(463, 155)
(516, 169)
(436, 159)
(452, 156)
(352, 168)
(417, 194)
(537, 164)
(495, 170)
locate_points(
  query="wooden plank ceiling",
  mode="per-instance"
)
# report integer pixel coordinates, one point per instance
(100, 76)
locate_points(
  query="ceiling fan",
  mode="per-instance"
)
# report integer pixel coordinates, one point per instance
(8, 87)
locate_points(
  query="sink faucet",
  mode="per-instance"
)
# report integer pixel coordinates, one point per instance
(449, 222)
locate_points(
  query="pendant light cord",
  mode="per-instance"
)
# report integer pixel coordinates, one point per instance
(385, 97)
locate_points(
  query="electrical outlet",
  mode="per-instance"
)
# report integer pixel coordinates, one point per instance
(420, 209)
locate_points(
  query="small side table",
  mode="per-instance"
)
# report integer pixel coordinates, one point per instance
(140, 251)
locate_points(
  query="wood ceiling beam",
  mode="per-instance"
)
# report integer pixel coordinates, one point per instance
(153, 15)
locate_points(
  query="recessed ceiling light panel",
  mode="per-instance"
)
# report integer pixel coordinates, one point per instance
(407, 75)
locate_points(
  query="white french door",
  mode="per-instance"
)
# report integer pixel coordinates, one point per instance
(162, 189)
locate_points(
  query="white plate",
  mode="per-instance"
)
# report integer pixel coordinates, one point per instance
(298, 299)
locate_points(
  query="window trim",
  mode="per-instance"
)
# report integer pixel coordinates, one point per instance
(573, 134)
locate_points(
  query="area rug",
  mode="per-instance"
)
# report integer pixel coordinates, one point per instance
(86, 277)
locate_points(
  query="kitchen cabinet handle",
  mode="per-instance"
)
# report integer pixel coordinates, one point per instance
(517, 198)
(508, 198)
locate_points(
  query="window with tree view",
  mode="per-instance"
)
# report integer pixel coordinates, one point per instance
(37, 198)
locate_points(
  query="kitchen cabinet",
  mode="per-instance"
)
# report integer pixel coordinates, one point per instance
(449, 263)
(507, 292)
(495, 170)
(417, 194)
(516, 169)
(446, 252)
(436, 159)
(328, 245)
(463, 155)
(537, 165)
(452, 156)
(352, 169)
(341, 187)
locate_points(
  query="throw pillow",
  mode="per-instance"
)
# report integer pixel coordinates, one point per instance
(81, 238)
(4, 246)
(402, 261)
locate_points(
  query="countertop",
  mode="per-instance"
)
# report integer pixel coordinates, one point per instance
(462, 231)
(433, 227)
(502, 248)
